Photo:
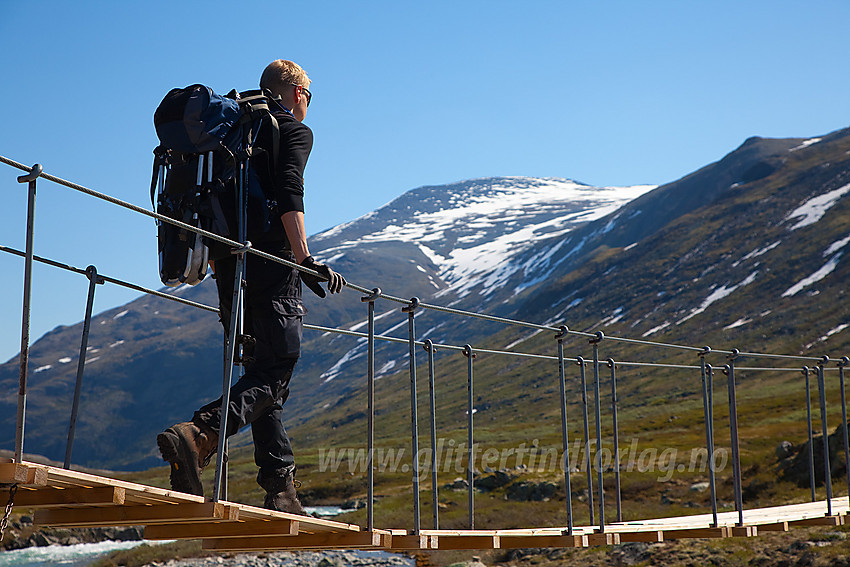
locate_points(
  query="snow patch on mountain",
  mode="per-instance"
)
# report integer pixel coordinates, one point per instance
(348, 357)
(365, 322)
(359, 350)
(756, 253)
(836, 246)
(739, 323)
(813, 210)
(805, 144)
(654, 330)
(475, 231)
(820, 274)
(828, 334)
(340, 228)
(837, 329)
(717, 295)
(522, 340)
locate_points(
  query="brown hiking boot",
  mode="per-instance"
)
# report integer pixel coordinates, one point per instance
(280, 491)
(188, 448)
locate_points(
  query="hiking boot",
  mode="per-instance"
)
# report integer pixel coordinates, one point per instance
(280, 491)
(188, 447)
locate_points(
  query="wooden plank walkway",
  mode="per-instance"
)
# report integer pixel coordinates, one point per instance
(63, 498)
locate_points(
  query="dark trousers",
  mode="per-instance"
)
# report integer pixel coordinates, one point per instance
(273, 311)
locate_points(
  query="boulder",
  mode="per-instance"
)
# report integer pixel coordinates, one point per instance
(784, 450)
(496, 480)
(795, 466)
(457, 484)
(532, 491)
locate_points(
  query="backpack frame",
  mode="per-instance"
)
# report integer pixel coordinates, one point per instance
(203, 176)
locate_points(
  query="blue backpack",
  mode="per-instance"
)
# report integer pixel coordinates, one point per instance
(203, 175)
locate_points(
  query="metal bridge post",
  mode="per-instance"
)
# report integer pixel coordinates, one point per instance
(612, 365)
(598, 460)
(733, 426)
(826, 467)
(705, 368)
(580, 362)
(236, 307)
(370, 402)
(94, 280)
(470, 356)
(841, 364)
(414, 415)
(29, 178)
(811, 433)
(224, 366)
(435, 501)
(562, 383)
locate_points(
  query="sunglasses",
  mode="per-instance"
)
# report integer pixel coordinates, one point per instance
(306, 92)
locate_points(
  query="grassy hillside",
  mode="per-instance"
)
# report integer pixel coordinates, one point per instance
(737, 247)
(717, 274)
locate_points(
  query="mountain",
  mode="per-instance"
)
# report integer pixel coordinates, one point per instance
(458, 245)
(152, 362)
(470, 232)
(746, 252)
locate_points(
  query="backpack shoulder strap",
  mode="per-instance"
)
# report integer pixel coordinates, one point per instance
(259, 103)
(275, 142)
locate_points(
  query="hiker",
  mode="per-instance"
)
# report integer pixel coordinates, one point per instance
(273, 311)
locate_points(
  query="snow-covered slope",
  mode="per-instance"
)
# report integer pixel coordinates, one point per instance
(475, 232)
(478, 240)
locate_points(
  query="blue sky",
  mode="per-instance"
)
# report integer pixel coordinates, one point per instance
(405, 94)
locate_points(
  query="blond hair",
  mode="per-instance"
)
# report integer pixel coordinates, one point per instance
(281, 73)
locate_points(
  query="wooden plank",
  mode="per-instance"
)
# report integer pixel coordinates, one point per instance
(773, 527)
(744, 531)
(822, 521)
(135, 515)
(698, 533)
(13, 473)
(62, 477)
(24, 474)
(70, 497)
(373, 540)
(210, 530)
(521, 542)
(654, 536)
(468, 542)
(607, 538)
(308, 524)
(37, 476)
(455, 533)
(411, 541)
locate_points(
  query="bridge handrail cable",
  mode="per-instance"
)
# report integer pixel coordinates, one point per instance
(365, 290)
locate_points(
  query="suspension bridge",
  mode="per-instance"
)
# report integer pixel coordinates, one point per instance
(62, 497)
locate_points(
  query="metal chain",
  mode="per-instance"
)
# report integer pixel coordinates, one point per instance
(5, 521)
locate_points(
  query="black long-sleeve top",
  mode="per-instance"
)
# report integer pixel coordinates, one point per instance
(285, 188)
(296, 141)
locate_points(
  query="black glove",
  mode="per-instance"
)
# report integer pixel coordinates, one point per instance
(335, 281)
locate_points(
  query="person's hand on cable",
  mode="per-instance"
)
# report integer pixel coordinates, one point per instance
(335, 281)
